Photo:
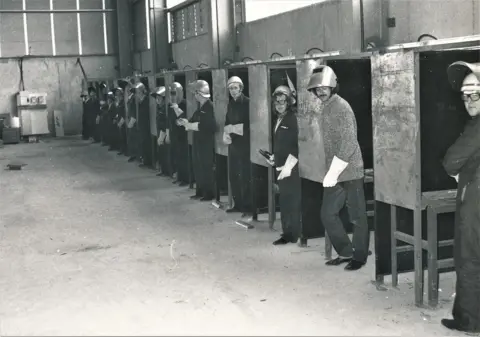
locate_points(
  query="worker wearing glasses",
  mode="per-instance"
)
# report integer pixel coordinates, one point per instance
(462, 161)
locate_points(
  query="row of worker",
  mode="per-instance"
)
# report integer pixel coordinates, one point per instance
(343, 183)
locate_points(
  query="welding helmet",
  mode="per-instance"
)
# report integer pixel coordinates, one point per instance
(110, 94)
(159, 91)
(464, 76)
(234, 79)
(202, 88)
(176, 89)
(323, 76)
(284, 90)
(118, 90)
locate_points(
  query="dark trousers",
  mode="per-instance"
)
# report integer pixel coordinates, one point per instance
(85, 126)
(132, 136)
(144, 146)
(180, 154)
(122, 139)
(290, 205)
(96, 129)
(351, 194)
(240, 175)
(203, 166)
(162, 154)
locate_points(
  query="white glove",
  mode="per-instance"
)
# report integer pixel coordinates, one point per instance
(191, 126)
(167, 137)
(336, 168)
(181, 121)
(228, 129)
(455, 177)
(97, 120)
(174, 106)
(288, 167)
(161, 138)
(121, 122)
(227, 139)
(238, 129)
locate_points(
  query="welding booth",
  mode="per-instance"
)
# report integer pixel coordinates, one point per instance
(354, 76)
(416, 117)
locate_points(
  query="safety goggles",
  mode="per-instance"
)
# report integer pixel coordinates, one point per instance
(473, 97)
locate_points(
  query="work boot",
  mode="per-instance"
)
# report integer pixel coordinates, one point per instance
(281, 241)
(354, 265)
(338, 261)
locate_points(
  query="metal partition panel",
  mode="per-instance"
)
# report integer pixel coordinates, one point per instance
(153, 106)
(220, 103)
(310, 142)
(396, 122)
(168, 84)
(259, 112)
(190, 77)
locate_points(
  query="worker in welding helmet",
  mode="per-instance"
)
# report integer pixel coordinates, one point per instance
(93, 106)
(143, 113)
(121, 120)
(176, 135)
(132, 125)
(462, 161)
(285, 161)
(161, 118)
(236, 134)
(85, 116)
(203, 125)
(343, 182)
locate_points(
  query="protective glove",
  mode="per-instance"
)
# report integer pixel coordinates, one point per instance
(97, 120)
(227, 139)
(455, 177)
(167, 137)
(191, 126)
(288, 167)
(131, 123)
(238, 129)
(181, 121)
(121, 122)
(336, 168)
(228, 129)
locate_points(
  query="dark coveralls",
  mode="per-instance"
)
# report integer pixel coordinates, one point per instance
(103, 126)
(239, 154)
(204, 149)
(285, 142)
(122, 131)
(93, 108)
(463, 158)
(112, 126)
(144, 129)
(162, 150)
(86, 128)
(179, 143)
(132, 133)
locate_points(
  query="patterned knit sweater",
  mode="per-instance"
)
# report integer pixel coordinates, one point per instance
(339, 131)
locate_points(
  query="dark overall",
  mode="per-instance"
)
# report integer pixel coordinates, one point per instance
(204, 150)
(239, 154)
(122, 131)
(145, 141)
(132, 133)
(463, 158)
(162, 150)
(285, 143)
(94, 107)
(179, 143)
(112, 127)
(86, 128)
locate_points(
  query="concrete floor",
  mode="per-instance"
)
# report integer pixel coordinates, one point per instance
(93, 245)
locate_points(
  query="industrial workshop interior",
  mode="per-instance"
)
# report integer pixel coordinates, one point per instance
(239, 167)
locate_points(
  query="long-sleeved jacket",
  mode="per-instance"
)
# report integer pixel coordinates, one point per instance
(339, 131)
(285, 141)
(463, 157)
(161, 119)
(177, 132)
(205, 118)
(144, 115)
(238, 112)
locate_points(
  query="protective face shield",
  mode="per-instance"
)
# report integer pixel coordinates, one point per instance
(176, 92)
(465, 77)
(235, 86)
(322, 82)
(202, 89)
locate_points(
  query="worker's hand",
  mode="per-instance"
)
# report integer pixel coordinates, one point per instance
(182, 121)
(97, 120)
(174, 106)
(228, 129)
(285, 173)
(227, 139)
(271, 160)
(330, 180)
(160, 141)
(455, 177)
(167, 138)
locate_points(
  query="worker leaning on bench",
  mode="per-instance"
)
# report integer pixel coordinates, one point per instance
(462, 161)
